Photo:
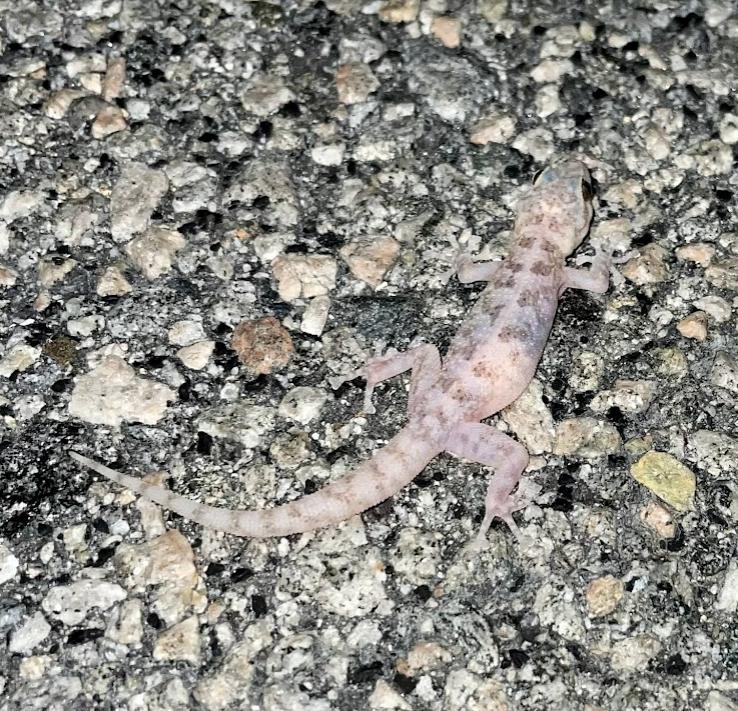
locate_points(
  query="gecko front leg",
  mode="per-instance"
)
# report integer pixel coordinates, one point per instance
(469, 271)
(424, 361)
(488, 446)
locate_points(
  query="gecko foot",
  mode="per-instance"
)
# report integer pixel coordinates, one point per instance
(423, 360)
(337, 382)
(602, 257)
(503, 507)
(368, 408)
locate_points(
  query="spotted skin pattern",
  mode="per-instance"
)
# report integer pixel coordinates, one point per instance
(489, 364)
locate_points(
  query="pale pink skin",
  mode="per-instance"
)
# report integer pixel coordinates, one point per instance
(489, 364)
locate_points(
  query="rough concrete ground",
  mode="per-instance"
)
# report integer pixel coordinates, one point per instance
(209, 209)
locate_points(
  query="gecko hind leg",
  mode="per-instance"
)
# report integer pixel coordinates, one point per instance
(488, 446)
(423, 360)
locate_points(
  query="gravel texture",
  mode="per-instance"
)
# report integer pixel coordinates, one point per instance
(210, 211)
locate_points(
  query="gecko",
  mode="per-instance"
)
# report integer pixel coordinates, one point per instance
(489, 363)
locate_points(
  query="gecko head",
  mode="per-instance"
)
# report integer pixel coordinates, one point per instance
(560, 202)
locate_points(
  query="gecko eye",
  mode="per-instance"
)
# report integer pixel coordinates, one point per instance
(537, 175)
(586, 190)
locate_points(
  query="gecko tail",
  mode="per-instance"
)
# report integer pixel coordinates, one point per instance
(371, 482)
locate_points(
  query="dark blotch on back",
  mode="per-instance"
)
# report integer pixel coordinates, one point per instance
(549, 247)
(502, 280)
(513, 333)
(542, 268)
(528, 297)
(481, 370)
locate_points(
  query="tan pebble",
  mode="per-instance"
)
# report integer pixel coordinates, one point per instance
(397, 11)
(328, 154)
(427, 655)
(112, 393)
(113, 283)
(633, 653)
(694, 326)
(588, 34)
(370, 259)
(42, 301)
(495, 128)
(493, 10)
(231, 682)
(266, 94)
(657, 144)
(603, 595)
(109, 120)
(355, 82)
(304, 276)
(699, 252)
(154, 251)
(181, 642)
(639, 445)
(551, 70)
(315, 316)
(447, 30)
(628, 395)
(712, 158)
(18, 204)
(49, 272)
(214, 611)
(671, 361)
(618, 39)
(263, 345)
(649, 267)
(34, 668)
(91, 81)
(151, 516)
(185, 332)
(627, 193)
(8, 276)
(586, 437)
(59, 102)
(115, 76)
(729, 129)
(659, 520)
(666, 477)
(723, 273)
(18, 358)
(125, 625)
(385, 697)
(724, 371)
(197, 355)
(615, 232)
(717, 308)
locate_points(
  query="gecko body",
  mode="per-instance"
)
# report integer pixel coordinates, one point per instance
(489, 363)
